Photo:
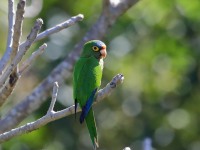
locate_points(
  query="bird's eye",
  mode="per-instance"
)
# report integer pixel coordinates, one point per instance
(95, 48)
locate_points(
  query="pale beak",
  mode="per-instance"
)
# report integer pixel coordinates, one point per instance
(103, 52)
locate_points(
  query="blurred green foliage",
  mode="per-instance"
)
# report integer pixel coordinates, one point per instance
(156, 45)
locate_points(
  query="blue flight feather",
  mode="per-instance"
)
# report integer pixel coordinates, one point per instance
(87, 106)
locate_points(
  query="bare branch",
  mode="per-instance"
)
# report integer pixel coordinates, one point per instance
(16, 40)
(32, 36)
(64, 69)
(56, 28)
(6, 56)
(32, 58)
(7, 89)
(60, 27)
(18, 28)
(54, 96)
(19, 56)
(13, 76)
(51, 115)
(4, 93)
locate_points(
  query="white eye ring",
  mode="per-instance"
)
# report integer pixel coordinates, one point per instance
(95, 48)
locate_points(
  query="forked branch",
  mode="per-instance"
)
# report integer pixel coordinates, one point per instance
(52, 115)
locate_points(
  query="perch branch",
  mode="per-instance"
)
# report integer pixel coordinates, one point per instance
(64, 69)
(6, 56)
(51, 115)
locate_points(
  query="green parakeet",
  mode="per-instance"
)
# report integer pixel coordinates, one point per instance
(86, 80)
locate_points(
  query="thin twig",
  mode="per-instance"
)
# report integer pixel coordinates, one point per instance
(18, 27)
(56, 28)
(54, 96)
(6, 56)
(64, 69)
(59, 27)
(13, 73)
(32, 58)
(51, 115)
(7, 89)
(31, 37)
(16, 40)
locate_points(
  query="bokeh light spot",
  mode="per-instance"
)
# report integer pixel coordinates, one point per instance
(107, 119)
(53, 52)
(33, 9)
(65, 95)
(164, 136)
(178, 118)
(195, 145)
(131, 107)
(120, 46)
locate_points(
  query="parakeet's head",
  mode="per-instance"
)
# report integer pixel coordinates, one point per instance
(94, 48)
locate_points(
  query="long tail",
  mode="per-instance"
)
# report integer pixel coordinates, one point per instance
(90, 121)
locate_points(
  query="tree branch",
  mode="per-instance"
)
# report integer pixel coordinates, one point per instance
(31, 37)
(54, 97)
(51, 115)
(33, 57)
(64, 69)
(18, 27)
(16, 40)
(6, 56)
(7, 89)
(56, 28)
(9, 72)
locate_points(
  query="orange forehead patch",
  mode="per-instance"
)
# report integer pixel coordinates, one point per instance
(103, 46)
